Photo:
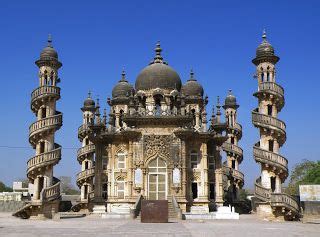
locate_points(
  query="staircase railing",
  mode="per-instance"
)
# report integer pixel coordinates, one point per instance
(176, 207)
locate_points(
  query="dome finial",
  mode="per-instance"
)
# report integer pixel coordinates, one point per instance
(158, 58)
(49, 40)
(264, 34)
(89, 94)
(230, 92)
(191, 75)
(123, 75)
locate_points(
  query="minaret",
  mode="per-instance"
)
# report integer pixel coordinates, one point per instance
(85, 154)
(233, 151)
(274, 167)
(42, 137)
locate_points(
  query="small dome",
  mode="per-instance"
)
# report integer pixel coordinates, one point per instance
(122, 88)
(49, 51)
(265, 48)
(230, 101)
(192, 87)
(158, 75)
(89, 102)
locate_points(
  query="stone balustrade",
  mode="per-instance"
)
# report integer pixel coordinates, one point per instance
(51, 193)
(268, 120)
(55, 120)
(262, 192)
(85, 174)
(45, 90)
(85, 150)
(271, 86)
(228, 147)
(283, 199)
(44, 159)
(274, 159)
(83, 130)
(237, 175)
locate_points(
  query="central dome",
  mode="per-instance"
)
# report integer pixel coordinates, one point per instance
(158, 75)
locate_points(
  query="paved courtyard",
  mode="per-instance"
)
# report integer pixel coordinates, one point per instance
(92, 226)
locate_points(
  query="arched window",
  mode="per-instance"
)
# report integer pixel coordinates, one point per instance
(157, 107)
(121, 160)
(121, 118)
(193, 113)
(194, 159)
(45, 78)
(211, 161)
(120, 188)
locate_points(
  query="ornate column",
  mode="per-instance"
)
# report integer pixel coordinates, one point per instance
(98, 174)
(205, 169)
(184, 169)
(130, 169)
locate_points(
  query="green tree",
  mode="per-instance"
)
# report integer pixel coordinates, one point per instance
(306, 172)
(67, 187)
(4, 188)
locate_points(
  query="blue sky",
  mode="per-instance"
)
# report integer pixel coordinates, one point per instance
(96, 39)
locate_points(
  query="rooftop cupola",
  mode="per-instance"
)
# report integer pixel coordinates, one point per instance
(123, 88)
(230, 101)
(192, 87)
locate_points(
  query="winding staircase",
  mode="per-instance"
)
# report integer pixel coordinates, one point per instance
(274, 167)
(46, 193)
(85, 157)
(233, 151)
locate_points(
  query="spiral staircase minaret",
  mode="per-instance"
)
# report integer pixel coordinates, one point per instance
(85, 156)
(46, 193)
(266, 152)
(233, 151)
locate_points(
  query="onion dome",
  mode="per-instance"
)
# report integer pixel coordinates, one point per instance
(122, 88)
(265, 51)
(49, 51)
(158, 75)
(49, 55)
(230, 101)
(89, 102)
(192, 87)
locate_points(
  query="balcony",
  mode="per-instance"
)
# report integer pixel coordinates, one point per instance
(85, 151)
(44, 159)
(271, 87)
(85, 174)
(44, 124)
(270, 158)
(43, 92)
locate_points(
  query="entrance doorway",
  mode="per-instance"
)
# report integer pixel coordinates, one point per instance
(157, 180)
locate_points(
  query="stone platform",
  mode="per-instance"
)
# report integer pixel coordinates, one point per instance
(247, 225)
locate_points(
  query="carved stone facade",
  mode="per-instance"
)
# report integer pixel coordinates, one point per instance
(155, 145)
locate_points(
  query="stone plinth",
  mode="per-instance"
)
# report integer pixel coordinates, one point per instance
(154, 211)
